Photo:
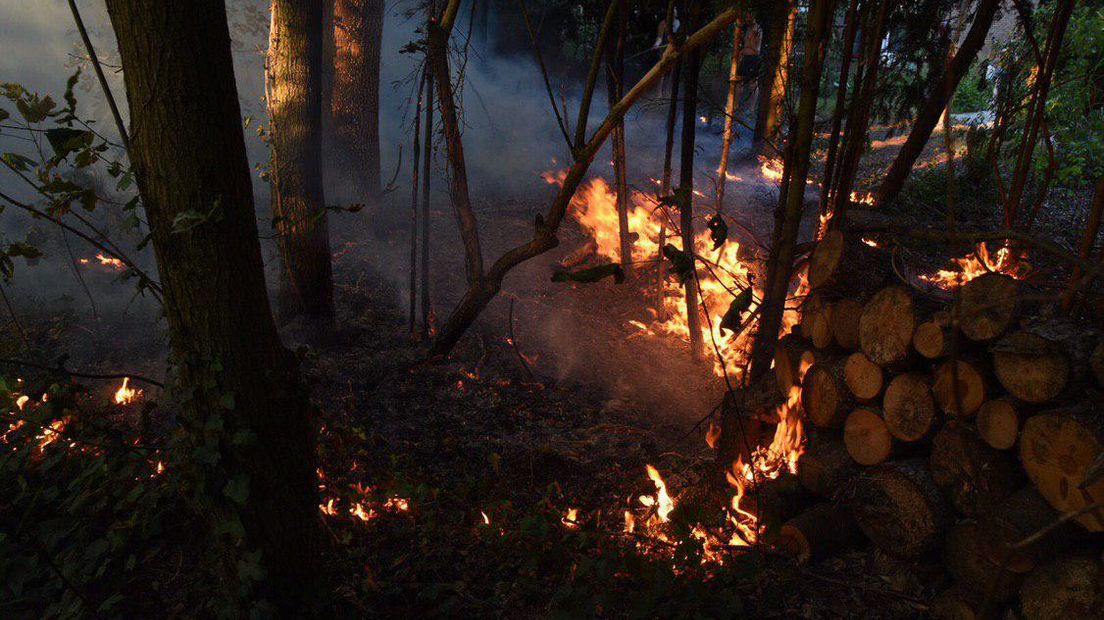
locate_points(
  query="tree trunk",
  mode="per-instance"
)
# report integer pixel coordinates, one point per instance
(427, 169)
(686, 186)
(787, 222)
(849, 32)
(772, 94)
(730, 112)
(293, 84)
(665, 187)
(358, 29)
(1088, 240)
(417, 153)
(933, 107)
(615, 74)
(188, 154)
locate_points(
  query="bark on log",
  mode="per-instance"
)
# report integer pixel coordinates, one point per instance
(959, 387)
(826, 466)
(1015, 518)
(909, 407)
(933, 337)
(816, 319)
(845, 323)
(824, 396)
(987, 306)
(844, 264)
(867, 439)
(954, 603)
(823, 531)
(966, 560)
(899, 508)
(973, 476)
(998, 422)
(886, 326)
(1057, 448)
(863, 377)
(1039, 362)
(792, 357)
(1064, 589)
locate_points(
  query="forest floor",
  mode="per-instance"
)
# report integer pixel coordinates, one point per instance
(487, 459)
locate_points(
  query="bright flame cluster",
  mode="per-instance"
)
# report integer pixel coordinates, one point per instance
(979, 262)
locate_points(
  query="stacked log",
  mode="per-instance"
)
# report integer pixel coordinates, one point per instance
(972, 428)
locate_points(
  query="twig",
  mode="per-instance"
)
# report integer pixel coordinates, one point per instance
(15, 319)
(100, 75)
(513, 343)
(544, 73)
(82, 375)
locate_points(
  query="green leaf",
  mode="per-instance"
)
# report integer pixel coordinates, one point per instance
(237, 489)
(24, 249)
(4, 115)
(226, 401)
(592, 274)
(33, 109)
(733, 319)
(17, 161)
(65, 140)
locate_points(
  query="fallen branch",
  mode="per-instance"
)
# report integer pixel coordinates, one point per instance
(60, 368)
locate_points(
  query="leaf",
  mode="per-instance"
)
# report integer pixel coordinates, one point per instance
(733, 318)
(33, 109)
(718, 231)
(21, 248)
(591, 274)
(65, 140)
(681, 263)
(237, 489)
(4, 115)
(17, 161)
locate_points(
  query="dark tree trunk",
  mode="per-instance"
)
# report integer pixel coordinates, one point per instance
(773, 83)
(686, 186)
(427, 169)
(615, 75)
(357, 29)
(849, 31)
(933, 107)
(787, 221)
(293, 84)
(188, 154)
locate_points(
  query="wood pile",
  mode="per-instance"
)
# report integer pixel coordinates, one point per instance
(961, 430)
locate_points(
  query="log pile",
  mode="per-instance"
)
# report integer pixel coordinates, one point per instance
(961, 430)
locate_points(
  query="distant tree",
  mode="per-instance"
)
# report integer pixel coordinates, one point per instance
(293, 85)
(244, 413)
(357, 31)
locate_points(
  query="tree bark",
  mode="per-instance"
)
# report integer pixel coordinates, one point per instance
(772, 98)
(427, 169)
(933, 107)
(293, 85)
(665, 186)
(188, 154)
(780, 262)
(849, 32)
(686, 186)
(358, 29)
(615, 73)
(730, 112)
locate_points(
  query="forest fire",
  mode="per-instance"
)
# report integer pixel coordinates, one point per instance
(108, 261)
(977, 263)
(126, 395)
(771, 169)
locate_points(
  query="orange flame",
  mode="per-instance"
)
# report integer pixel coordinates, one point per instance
(112, 262)
(126, 395)
(771, 169)
(978, 263)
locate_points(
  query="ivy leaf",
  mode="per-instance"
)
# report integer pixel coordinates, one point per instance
(733, 319)
(718, 231)
(681, 263)
(592, 274)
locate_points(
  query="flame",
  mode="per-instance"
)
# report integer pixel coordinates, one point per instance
(397, 504)
(362, 512)
(126, 395)
(979, 262)
(22, 401)
(630, 522)
(112, 262)
(570, 518)
(872, 243)
(51, 433)
(486, 519)
(664, 504)
(328, 508)
(771, 169)
(865, 198)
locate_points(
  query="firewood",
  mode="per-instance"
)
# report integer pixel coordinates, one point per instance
(825, 467)
(1057, 448)
(886, 326)
(867, 439)
(899, 508)
(973, 476)
(1038, 363)
(987, 306)
(776, 502)
(970, 393)
(1019, 516)
(820, 532)
(845, 323)
(955, 603)
(966, 560)
(908, 406)
(792, 355)
(1064, 589)
(863, 377)
(816, 319)
(845, 264)
(998, 422)
(824, 396)
(932, 338)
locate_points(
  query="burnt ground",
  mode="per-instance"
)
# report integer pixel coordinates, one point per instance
(475, 435)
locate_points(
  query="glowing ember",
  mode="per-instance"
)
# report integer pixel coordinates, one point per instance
(872, 243)
(362, 512)
(570, 518)
(398, 504)
(50, 434)
(328, 508)
(486, 519)
(126, 395)
(22, 401)
(866, 198)
(771, 169)
(978, 263)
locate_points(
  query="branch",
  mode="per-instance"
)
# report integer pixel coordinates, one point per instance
(592, 75)
(544, 74)
(60, 368)
(100, 75)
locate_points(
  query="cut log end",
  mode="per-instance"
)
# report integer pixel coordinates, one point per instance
(988, 306)
(1058, 448)
(867, 439)
(973, 476)
(886, 326)
(909, 408)
(998, 423)
(1031, 367)
(1064, 589)
(959, 388)
(863, 377)
(899, 508)
(824, 396)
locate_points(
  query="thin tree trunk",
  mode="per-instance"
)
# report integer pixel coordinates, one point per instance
(592, 74)
(686, 187)
(615, 70)
(1088, 240)
(849, 31)
(730, 112)
(773, 98)
(427, 168)
(358, 28)
(665, 187)
(92, 58)
(293, 84)
(933, 107)
(858, 118)
(188, 154)
(414, 209)
(780, 262)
